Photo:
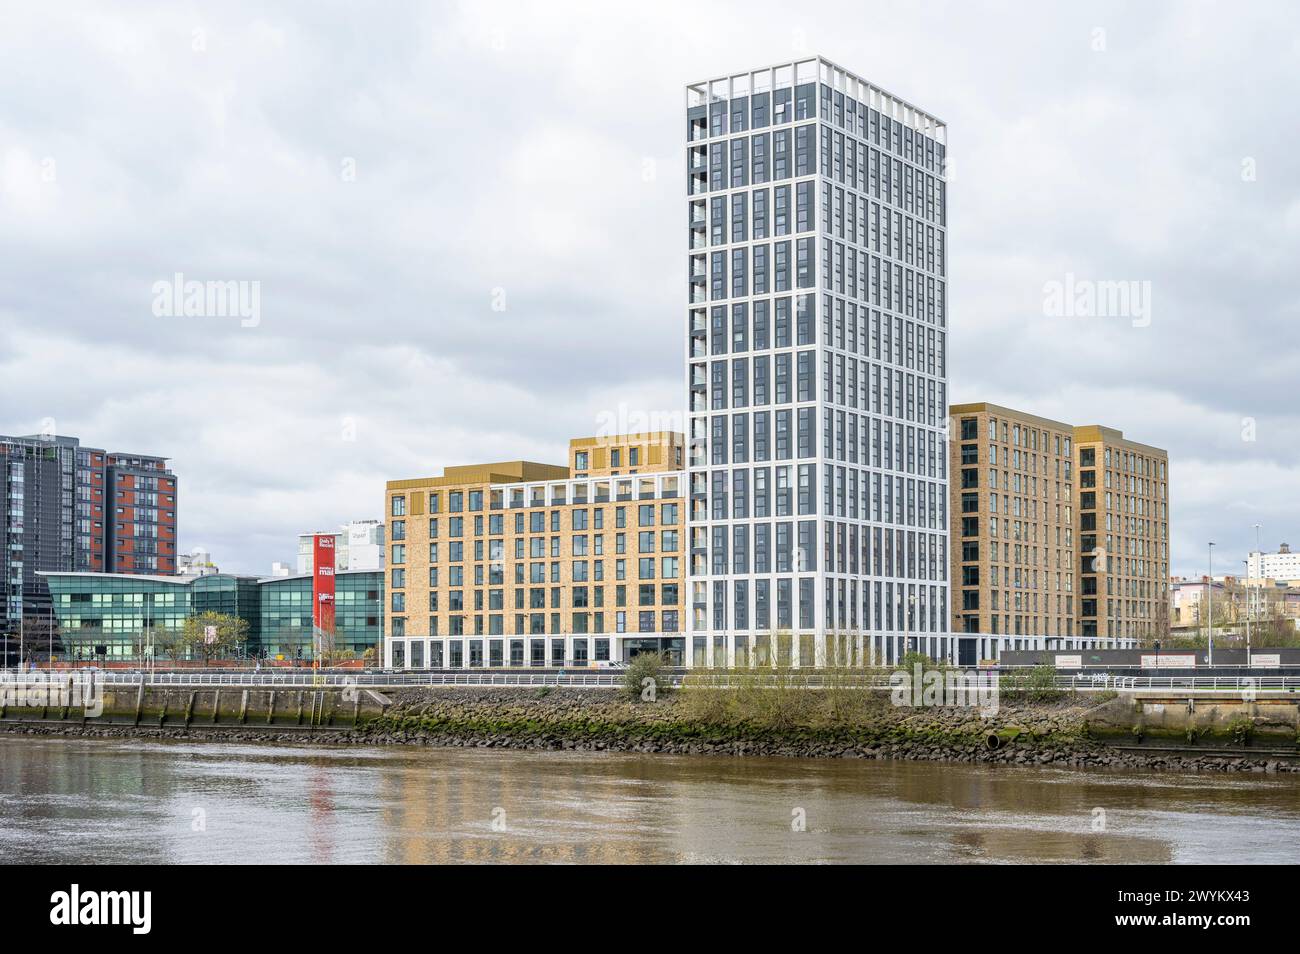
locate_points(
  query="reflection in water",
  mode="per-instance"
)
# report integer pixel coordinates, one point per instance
(322, 815)
(107, 801)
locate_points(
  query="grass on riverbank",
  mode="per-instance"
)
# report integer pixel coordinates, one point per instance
(765, 704)
(783, 698)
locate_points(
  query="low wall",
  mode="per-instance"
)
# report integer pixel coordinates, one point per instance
(344, 706)
(1132, 730)
(1265, 661)
(1269, 718)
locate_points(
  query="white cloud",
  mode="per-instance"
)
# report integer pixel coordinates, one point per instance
(505, 145)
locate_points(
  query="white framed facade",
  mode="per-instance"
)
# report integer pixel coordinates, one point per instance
(816, 382)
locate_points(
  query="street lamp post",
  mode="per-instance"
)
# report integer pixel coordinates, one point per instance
(1259, 555)
(1209, 605)
(1249, 600)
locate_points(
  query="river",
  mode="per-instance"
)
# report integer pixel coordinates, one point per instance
(113, 801)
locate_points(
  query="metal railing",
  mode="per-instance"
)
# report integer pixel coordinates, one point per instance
(876, 680)
(307, 680)
(1100, 682)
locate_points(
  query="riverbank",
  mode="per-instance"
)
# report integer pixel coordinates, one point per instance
(857, 726)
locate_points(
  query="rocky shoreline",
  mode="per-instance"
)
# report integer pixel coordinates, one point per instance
(593, 720)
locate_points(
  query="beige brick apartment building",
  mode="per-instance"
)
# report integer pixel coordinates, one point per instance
(526, 564)
(1061, 532)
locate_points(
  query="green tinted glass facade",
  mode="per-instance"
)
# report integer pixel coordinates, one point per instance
(286, 614)
(286, 617)
(115, 612)
(109, 616)
(231, 595)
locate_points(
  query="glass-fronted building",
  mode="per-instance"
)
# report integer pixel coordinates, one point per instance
(230, 595)
(66, 507)
(112, 616)
(816, 356)
(285, 613)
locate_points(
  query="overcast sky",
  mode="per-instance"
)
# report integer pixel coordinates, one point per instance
(467, 222)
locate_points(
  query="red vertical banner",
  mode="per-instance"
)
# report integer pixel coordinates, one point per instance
(322, 592)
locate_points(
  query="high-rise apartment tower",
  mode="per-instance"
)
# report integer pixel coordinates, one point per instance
(816, 354)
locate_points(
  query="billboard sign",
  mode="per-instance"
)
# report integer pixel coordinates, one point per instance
(1169, 661)
(322, 591)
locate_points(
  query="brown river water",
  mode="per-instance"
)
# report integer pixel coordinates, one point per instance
(124, 801)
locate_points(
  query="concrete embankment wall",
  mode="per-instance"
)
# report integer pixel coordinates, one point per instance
(329, 707)
(1263, 718)
(1130, 731)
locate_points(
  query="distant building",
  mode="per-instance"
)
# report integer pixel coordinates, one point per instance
(65, 508)
(1282, 565)
(281, 569)
(1235, 599)
(358, 545)
(141, 525)
(198, 562)
(1187, 600)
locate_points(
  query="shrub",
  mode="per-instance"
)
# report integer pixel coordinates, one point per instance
(651, 666)
(782, 698)
(1031, 685)
(911, 660)
(1240, 730)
